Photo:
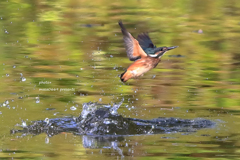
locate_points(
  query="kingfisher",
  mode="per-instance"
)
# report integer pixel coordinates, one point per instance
(143, 52)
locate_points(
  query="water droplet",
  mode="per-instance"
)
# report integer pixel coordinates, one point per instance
(73, 108)
(37, 100)
(23, 79)
(47, 140)
(46, 120)
(6, 102)
(24, 124)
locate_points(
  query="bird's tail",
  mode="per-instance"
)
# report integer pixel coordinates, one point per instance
(122, 76)
(125, 76)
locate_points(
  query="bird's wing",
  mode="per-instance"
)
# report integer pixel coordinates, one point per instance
(133, 49)
(145, 41)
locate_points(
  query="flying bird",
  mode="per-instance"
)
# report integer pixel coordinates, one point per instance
(143, 52)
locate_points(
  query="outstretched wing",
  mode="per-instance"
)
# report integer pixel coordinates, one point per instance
(133, 49)
(145, 41)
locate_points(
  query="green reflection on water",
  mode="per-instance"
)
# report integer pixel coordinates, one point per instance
(78, 44)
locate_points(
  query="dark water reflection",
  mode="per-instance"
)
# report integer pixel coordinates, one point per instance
(59, 54)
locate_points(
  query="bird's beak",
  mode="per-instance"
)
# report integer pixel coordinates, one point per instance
(169, 48)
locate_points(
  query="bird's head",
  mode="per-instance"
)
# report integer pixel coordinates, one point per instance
(159, 52)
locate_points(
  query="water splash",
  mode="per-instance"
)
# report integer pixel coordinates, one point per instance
(91, 107)
(99, 119)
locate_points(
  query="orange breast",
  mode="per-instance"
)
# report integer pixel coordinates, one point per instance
(142, 66)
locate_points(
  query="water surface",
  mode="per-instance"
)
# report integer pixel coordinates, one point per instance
(59, 54)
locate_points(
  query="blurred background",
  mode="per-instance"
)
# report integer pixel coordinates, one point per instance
(56, 55)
